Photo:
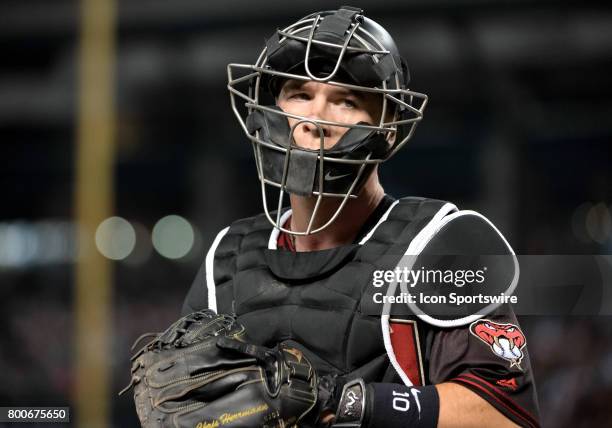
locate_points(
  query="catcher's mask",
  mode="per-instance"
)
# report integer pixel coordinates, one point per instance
(341, 48)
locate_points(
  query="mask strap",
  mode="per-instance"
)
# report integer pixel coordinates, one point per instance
(354, 25)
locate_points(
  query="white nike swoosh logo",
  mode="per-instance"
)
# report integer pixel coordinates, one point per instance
(329, 177)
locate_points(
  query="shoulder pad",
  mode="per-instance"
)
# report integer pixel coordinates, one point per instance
(465, 260)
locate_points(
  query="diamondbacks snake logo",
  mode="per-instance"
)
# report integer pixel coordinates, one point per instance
(506, 340)
(351, 399)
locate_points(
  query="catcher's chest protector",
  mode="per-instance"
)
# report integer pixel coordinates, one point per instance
(322, 300)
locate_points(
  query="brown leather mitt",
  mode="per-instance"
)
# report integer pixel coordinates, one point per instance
(201, 373)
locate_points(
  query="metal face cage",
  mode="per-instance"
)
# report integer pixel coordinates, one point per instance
(402, 109)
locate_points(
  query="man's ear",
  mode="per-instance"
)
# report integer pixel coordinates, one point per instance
(391, 116)
(391, 137)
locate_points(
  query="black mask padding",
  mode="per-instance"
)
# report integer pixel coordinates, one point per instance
(356, 67)
(303, 173)
(355, 144)
(274, 128)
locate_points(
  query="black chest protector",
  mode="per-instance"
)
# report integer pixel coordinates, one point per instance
(318, 299)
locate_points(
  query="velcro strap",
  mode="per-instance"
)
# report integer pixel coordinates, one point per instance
(299, 371)
(385, 67)
(340, 21)
(301, 174)
(301, 390)
(272, 44)
(258, 352)
(351, 9)
(253, 122)
(405, 73)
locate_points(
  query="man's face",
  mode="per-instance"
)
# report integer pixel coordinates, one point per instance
(322, 101)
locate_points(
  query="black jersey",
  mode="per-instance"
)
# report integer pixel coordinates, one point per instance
(247, 274)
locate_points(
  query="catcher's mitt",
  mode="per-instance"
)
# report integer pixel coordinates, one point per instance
(200, 373)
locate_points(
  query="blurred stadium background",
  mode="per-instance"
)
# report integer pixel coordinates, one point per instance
(120, 160)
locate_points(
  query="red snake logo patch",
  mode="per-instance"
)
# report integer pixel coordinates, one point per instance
(506, 340)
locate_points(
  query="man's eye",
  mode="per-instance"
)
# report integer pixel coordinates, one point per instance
(299, 96)
(349, 103)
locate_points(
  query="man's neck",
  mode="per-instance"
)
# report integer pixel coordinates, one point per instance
(345, 228)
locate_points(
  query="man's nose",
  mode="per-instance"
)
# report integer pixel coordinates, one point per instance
(317, 112)
(313, 130)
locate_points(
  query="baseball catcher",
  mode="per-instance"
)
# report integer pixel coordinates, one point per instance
(326, 103)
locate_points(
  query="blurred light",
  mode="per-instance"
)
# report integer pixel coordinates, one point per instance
(173, 237)
(579, 222)
(57, 242)
(599, 223)
(24, 244)
(115, 238)
(18, 244)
